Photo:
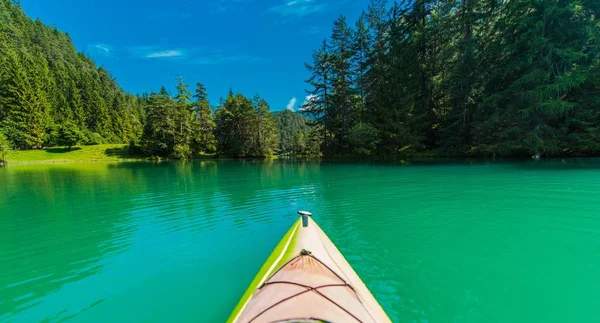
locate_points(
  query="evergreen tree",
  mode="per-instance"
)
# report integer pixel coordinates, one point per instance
(317, 103)
(5, 147)
(292, 127)
(235, 126)
(45, 83)
(25, 107)
(361, 48)
(343, 97)
(204, 125)
(69, 135)
(185, 118)
(544, 55)
(267, 135)
(161, 126)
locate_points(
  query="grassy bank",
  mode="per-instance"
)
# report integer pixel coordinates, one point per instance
(82, 154)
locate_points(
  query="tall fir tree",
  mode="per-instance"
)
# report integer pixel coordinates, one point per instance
(204, 125)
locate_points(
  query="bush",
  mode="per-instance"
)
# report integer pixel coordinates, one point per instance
(135, 149)
(5, 147)
(51, 137)
(69, 135)
(181, 152)
(94, 138)
(364, 139)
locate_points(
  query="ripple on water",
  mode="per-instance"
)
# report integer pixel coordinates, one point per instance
(434, 243)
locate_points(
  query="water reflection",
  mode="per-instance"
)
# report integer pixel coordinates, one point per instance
(182, 241)
(57, 226)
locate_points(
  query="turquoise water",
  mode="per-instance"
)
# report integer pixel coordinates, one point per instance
(180, 242)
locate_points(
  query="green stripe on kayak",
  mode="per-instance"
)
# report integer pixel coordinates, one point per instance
(282, 253)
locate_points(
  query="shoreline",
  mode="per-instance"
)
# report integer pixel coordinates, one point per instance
(333, 160)
(68, 161)
(120, 153)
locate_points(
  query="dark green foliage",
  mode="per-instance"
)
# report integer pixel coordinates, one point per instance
(363, 139)
(161, 124)
(176, 127)
(69, 135)
(245, 128)
(266, 131)
(461, 77)
(5, 146)
(44, 82)
(204, 126)
(296, 136)
(317, 104)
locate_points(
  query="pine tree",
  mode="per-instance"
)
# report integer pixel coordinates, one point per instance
(343, 97)
(461, 83)
(60, 85)
(5, 147)
(361, 48)
(267, 136)
(69, 135)
(292, 126)
(185, 117)
(544, 55)
(235, 122)
(24, 104)
(161, 126)
(204, 125)
(317, 103)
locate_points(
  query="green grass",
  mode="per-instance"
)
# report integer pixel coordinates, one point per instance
(98, 153)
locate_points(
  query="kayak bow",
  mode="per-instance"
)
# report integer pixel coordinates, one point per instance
(306, 279)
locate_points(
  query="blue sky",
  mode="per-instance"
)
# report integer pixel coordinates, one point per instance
(251, 46)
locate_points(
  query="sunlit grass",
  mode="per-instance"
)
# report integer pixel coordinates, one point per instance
(97, 153)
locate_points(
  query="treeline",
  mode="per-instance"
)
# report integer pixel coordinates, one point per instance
(45, 85)
(460, 77)
(181, 128)
(52, 95)
(297, 138)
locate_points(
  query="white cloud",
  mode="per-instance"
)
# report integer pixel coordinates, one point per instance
(291, 105)
(193, 55)
(103, 47)
(309, 98)
(165, 54)
(299, 8)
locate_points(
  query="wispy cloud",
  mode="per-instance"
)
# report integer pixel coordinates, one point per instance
(157, 52)
(309, 98)
(103, 49)
(292, 104)
(299, 8)
(166, 54)
(192, 55)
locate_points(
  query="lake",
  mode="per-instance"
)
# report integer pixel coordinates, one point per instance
(180, 242)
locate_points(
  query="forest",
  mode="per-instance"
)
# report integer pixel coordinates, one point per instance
(460, 78)
(51, 95)
(418, 77)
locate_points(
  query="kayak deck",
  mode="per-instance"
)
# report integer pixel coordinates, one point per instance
(306, 279)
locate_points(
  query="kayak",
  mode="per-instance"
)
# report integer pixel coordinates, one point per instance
(307, 279)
